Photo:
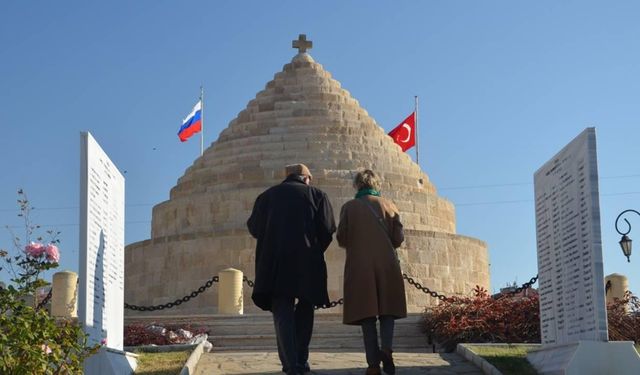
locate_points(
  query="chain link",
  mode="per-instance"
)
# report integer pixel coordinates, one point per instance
(45, 300)
(177, 302)
(426, 290)
(330, 305)
(249, 282)
(444, 298)
(519, 289)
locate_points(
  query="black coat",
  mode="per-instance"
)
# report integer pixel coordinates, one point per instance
(294, 224)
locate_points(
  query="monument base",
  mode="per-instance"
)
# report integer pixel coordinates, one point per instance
(111, 362)
(587, 358)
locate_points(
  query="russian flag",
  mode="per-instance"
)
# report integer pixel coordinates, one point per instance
(192, 124)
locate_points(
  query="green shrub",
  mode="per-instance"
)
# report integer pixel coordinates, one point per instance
(32, 341)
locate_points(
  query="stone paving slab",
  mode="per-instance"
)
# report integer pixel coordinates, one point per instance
(333, 363)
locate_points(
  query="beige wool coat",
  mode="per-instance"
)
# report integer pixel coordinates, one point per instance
(373, 283)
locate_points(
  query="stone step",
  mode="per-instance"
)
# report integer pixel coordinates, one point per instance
(256, 331)
(318, 341)
(330, 362)
(265, 327)
(414, 321)
(317, 328)
(354, 346)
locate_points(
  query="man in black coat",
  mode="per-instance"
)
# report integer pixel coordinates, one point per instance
(293, 223)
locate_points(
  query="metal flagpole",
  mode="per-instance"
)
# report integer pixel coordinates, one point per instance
(201, 120)
(416, 130)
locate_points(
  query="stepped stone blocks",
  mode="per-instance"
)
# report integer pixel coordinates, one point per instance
(302, 115)
(253, 332)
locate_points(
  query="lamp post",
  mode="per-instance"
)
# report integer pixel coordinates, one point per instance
(625, 241)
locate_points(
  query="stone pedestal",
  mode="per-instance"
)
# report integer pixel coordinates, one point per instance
(64, 295)
(230, 292)
(587, 358)
(111, 362)
(616, 286)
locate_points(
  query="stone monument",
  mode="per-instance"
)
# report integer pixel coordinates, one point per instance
(573, 315)
(303, 115)
(100, 308)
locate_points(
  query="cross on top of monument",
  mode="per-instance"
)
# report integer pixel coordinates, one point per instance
(302, 44)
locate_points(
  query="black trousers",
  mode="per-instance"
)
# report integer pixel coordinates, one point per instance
(294, 326)
(370, 336)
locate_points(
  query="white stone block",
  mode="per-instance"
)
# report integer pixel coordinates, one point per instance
(587, 358)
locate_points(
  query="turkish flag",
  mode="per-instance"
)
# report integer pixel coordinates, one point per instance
(405, 133)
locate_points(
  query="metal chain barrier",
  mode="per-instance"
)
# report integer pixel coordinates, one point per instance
(177, 302)
(519, 289)
(426, 290)
(45, 300)
(444, 298)
(330, 305)
(249, 282)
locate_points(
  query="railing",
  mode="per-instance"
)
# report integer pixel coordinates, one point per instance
(411, 281)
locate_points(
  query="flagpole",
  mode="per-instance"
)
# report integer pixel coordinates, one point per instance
(201, 120)
(417, 139)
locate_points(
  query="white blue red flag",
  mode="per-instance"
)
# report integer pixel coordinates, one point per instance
(192, 124)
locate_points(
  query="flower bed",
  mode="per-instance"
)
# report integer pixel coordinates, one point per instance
(151, 334)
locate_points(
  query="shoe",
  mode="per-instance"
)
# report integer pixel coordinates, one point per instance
(373, 371)
(304, 369)
(387, 361)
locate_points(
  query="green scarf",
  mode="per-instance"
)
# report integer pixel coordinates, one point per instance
(364, 192)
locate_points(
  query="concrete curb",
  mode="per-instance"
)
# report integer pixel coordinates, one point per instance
(474, 358)
(160, 348)
(189, 367)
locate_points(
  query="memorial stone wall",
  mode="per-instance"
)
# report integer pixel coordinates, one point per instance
(572, 298)
(101, 295)
(302, 116)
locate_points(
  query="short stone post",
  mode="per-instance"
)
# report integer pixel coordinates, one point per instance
(616, 286)
(63, 295)
(230, 292)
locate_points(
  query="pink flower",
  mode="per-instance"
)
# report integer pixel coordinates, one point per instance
(34, 249)
(46, 349)
(103, 341)
(52, 253)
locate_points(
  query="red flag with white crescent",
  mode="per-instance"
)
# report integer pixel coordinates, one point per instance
(405, 133)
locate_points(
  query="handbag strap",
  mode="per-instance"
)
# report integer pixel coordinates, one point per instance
(379, 219)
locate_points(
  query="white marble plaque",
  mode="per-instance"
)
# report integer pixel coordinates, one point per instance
(101, 297)
(572, 298)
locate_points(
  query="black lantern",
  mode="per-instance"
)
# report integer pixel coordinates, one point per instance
(625, 244)
(625, 241)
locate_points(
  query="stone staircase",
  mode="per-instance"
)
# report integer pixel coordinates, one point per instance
(256, 332)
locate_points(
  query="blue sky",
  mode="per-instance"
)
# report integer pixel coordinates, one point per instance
(503, 86)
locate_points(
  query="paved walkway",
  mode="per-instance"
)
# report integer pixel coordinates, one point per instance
(332, 363)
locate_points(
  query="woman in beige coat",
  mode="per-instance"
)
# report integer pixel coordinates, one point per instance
(370, 230)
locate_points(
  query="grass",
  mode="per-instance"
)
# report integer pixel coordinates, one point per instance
(168, 363)
(510, 360)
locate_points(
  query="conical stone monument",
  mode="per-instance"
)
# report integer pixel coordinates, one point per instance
(303, 115)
